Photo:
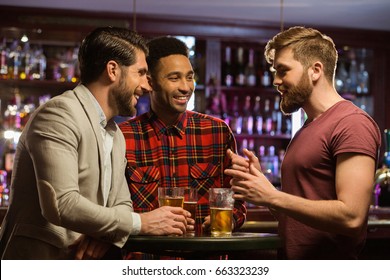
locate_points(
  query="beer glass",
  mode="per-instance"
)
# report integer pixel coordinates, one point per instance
(171, 197)
(190, 204)
(221, 211)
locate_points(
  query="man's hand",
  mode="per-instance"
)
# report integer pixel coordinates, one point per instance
(166, 220)
(88, 248)
(241, 163)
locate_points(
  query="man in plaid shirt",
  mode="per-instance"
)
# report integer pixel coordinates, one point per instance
(170, 146)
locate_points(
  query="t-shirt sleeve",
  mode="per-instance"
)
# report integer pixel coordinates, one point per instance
(356, 133)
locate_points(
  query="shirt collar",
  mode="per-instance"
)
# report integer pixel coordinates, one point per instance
(160, 128)
(110, 125)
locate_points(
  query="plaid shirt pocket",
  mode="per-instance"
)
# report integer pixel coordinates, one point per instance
(143, 182)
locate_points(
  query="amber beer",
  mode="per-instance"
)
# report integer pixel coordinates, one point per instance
(190, 206)
(221, 221)
(171, 201)
(171, 197)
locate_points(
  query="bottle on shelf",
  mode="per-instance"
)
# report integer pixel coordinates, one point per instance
(341, 77)
(247, 119)
(257, 117)
(24, 71)
(213, 104)
(227, 68)
(235, 118)
(39, 62)
(381, 189)
(266, 77)
(352, 81)
(240, 68)
(14, 60)
(363, 76)
(273, 163)
(250, 71)
(4, 53)
(276, 117)
(267, 118)
(4, 190)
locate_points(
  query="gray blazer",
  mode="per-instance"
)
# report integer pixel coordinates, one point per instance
(56, 192)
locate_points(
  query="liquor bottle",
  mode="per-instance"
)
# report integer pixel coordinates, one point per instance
(240, 68)
(250, 71)
(227, 68)
(386, 157)
(24, 70)
(341, 77)
(262, 158)
(381, 190)
(247, 120)
(4, 53)
(352, 81)
(267, 118)
(276, 117)
(213, 106)
(235, 121)
(273, 163)
(4, 190)
(14, 60)
(257, 117)
(266, 77)
(39, 62)
(362, 80)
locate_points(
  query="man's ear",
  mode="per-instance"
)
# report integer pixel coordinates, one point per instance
(113, 70)
(316, 70)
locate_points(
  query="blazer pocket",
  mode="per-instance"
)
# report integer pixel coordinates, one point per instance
(143, 183)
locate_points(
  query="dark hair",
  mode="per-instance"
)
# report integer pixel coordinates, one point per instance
(108, 43)
(162, 47)
(308, 45)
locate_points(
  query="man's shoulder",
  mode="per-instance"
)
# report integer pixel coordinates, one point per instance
(134, 122)
(205, 118)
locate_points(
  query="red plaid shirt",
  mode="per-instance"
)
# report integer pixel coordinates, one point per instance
(191, 153)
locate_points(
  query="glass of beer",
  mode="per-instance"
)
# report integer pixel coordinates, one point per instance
(171, 197)
(221, 211)
(190, 204)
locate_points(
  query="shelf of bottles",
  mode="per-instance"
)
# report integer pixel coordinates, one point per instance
(246, 100)
(352, 79)
(30, 74)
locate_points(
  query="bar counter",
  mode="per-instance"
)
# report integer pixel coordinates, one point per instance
(200, 247)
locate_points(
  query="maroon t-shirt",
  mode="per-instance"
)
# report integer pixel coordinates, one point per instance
(308, 171)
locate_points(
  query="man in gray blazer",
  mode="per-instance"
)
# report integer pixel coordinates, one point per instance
(69, 196)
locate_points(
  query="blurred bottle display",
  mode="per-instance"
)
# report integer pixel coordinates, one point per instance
(227, 68)
(267, 118)
(216, 100)
(240, 68)
(4, 189)
(266, 77)
(26, 61)
(235, 117)
(277, 118)
(257, 117)
(363, 78)
(4, 54)
(250, 71)
(247, 119)
(352, 78)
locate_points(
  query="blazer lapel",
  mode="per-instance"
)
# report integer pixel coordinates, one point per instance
(82, 94)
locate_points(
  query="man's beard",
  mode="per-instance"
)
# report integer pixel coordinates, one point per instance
(296, 96)
(123, 99)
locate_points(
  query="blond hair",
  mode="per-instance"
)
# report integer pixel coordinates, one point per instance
(308, 45)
